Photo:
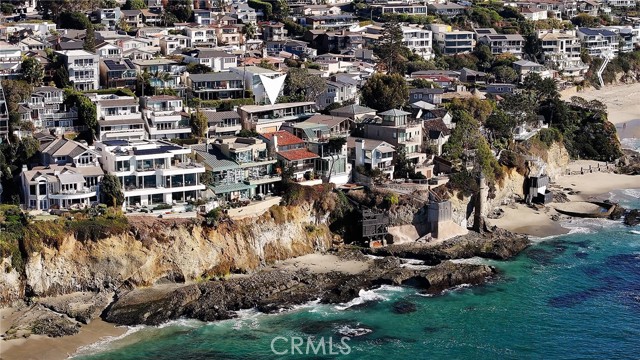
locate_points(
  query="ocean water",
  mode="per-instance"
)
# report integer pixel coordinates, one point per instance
(575, 296)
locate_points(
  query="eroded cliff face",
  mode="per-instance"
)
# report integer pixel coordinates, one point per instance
(175, 250)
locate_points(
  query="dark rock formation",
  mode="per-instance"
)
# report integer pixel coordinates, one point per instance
(632, 217)
(404, 307)
(499, 244)
(272, 291)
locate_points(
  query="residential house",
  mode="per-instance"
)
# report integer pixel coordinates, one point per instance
(504, 43)
(118, 74)
(229, 35)
(338, 91)
(83, 68)
(451, 41)
(47, 111)
(296, 48)
(332, 22)
(598, 42)
(337, 41)
(269, 118)
(157, 68)
(395, 127)
(472, 76)
(500, 89)
(525, 67)
(292, 154)
(172, 44)
(201, 36)
(354, 111)
(244, 13)
(372, 154)
(446, 9)
(152, 172)
(108, 51)
(562, 51)
(418, 40)
(432, 96)
(133, 18)
(163, 117)
(222, 123)
(628, 36)
(119, 117)
(273, 31)
(266, 84)
(110, 18)
(215, 59)
(534, 14)
(241, 168)
(404, 8)
(589, 7)
(621, 3)
(435, 135)
(216, 86)
(151, 17)
(70, 177)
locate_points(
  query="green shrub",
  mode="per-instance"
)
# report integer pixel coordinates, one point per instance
(549, 136)
(225, 105)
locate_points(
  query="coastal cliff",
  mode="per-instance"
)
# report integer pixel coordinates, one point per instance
(173, 250)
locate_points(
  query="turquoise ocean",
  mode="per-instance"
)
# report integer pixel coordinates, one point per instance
(575, 296)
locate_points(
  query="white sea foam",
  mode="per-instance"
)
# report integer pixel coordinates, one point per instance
(106, 342)
(631, 143)
(349, 331)
(476, 260)
(185, 323)
(634, 232)
(363, 296)
(633, 193)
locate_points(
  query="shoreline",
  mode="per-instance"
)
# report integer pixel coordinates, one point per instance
(40, 347)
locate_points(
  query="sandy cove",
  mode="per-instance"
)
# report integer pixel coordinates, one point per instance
(521, 218)
(39, 347)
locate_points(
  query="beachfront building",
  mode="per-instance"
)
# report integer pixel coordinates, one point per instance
(396, 128)
(598, 42)
(152, 172)
(372, 154)
(241, 168)
(69, 178)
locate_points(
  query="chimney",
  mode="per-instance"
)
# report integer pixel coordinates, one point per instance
(274, 142)
(360, 152)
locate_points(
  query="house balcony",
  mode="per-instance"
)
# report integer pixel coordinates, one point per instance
(122, 116)
(225, 129)
(75, 194)
(182, 168)
(266, 179)
(142, 191)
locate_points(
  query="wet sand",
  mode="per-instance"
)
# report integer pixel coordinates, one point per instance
(39, 347)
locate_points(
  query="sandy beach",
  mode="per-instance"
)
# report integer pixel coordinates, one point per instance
(38, 347)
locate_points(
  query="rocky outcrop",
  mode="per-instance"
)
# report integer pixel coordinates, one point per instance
(632, 217)
(174, 251)
(499, 244)
(272, 291)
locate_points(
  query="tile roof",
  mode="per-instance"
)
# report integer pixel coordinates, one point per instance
(297, 154)
(285, 138)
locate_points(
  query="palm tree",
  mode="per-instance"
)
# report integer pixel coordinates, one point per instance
(163, 77)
